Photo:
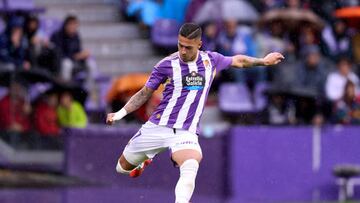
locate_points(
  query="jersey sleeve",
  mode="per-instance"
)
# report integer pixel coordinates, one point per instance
(157, 77)
(221, 62)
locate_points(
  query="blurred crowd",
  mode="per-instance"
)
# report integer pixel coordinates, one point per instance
(24, 45)
(38, 124)
(318, 82)
(29, 55)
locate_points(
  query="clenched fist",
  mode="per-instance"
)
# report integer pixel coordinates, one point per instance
(110, 118)
(273, 58)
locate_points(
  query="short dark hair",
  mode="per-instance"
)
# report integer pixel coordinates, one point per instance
(69, 19)
(343, 58)
(190, 31)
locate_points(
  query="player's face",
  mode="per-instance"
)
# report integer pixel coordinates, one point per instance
(188, 48)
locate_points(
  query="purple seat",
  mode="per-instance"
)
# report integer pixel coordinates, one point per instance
(3, 92)
(260, 99)
(164, 33)
(103, 84)
(235, 98)
(21, 5)
(2, 25)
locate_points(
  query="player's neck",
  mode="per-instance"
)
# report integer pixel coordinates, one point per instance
(192, 61)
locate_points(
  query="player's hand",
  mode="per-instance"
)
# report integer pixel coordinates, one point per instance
(110, 118)
(273, 58)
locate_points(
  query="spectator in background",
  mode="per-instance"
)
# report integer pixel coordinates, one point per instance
(174, 9)
(312, 73)
(307, 36)
(239, 40)
(46, 121)
(39, 52)
(209, 37)
(15, 111)
(336, 40)
(13, 46)
(310, 77)
(272, 39)
(347, 110)
(336, 81)
(284, 75)
(280, 111)
(147, 12)
(71, 113)
(226, 38)
(74, 59)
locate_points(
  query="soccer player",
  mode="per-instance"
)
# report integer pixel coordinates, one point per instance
(187, 76)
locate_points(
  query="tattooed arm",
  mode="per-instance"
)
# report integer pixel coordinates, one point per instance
(135, 102)
(242, 61)
(138, 99)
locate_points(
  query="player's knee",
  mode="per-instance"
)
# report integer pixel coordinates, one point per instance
(121, 170)
(199, 158)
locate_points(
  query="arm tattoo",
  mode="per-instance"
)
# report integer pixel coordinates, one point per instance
(247, 61)
(253, 62)
(137, 100)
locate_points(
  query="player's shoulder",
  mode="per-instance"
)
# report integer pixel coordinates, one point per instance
(211, 54)
(166, 61)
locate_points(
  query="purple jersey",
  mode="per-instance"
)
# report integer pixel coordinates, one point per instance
(187, 86)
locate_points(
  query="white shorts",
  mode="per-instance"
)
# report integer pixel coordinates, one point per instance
(152, 139)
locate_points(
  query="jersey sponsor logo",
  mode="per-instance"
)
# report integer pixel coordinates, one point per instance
(193, 81)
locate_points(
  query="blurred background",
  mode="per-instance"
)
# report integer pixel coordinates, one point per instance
(281, 134)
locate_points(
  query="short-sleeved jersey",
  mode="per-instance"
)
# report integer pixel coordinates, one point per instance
(187, 86)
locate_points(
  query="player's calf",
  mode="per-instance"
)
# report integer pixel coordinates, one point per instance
(123, 166)
(186, 184)
(120, 169)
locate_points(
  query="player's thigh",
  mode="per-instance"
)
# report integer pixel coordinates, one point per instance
(145, 144)
(184, 145)
(185, 154)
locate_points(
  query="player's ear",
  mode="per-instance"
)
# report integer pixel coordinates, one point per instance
(200, 44)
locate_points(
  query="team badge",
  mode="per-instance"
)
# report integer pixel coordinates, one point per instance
(207, 64)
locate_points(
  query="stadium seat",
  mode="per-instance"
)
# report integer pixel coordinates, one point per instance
(3, 92)
(164, 33)
(235, 98)
(20, 4)
(2, 24)
(260, 99)
(2, 5)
